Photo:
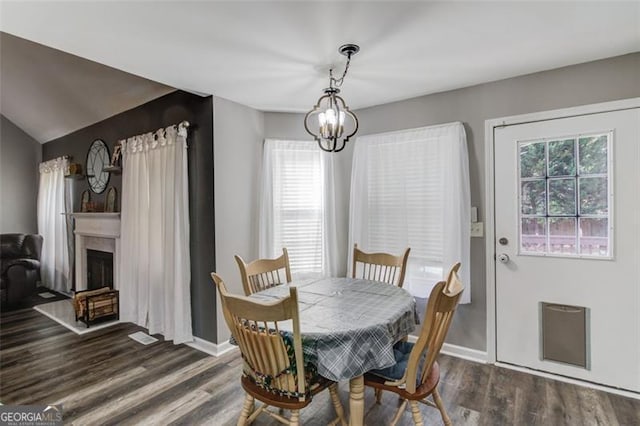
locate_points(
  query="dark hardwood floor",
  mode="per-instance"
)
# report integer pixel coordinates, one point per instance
(106, 378)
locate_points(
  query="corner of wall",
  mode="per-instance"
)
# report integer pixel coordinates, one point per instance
(20, 155)
(238, 137)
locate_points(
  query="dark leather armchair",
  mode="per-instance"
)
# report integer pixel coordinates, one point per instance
(19, 265)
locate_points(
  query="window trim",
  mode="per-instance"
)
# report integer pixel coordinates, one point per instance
(272, 238)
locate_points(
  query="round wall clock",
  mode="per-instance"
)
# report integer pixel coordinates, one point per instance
(97, 159)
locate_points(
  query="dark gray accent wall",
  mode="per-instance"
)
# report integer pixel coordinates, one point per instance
(20, 156)
(162, 112)
(592, 82)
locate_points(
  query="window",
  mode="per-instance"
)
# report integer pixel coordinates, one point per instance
(411, 189)
(565, 197)
(293, 213)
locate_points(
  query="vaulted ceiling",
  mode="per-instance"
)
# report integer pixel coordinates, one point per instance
(48, 93)
(275, 55)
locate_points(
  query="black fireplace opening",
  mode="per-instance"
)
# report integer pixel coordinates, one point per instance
(99, 269)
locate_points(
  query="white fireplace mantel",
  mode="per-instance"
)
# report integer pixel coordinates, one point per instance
(96, 231)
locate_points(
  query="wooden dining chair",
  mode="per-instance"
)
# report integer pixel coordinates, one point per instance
(264, 273)
(275, 371)
(416, 374)
(382, 267)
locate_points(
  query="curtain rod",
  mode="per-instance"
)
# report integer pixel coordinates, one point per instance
(184, 124)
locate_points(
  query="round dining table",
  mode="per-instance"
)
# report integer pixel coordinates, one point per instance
(349, 327)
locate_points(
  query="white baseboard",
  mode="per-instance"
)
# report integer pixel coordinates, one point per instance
(617, 391)
(464, 353)
(481, 357)
(459, 351)
(211, 348)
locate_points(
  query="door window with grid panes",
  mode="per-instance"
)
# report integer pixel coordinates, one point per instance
(565, 196)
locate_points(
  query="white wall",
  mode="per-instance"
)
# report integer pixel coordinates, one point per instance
(20, 155)
(238, 134)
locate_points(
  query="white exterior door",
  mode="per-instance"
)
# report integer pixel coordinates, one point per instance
(567, 233)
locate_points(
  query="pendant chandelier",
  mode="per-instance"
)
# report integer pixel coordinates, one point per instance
(330, 112)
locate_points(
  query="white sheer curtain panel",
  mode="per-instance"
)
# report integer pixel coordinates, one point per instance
(410, 188)
(155, 261)
(297, 207)
(52, 225)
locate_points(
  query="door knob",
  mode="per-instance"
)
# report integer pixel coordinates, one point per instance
(503, 257)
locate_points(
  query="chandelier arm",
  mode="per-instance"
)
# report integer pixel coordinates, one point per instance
(321, 145)
(356, 125)
(306, 127)
(344, 144)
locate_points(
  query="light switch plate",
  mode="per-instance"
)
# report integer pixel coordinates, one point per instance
(477, 229)
(474, 214)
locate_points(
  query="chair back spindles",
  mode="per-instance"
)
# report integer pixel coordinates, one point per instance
(255, 328)
(381, 267)
(422, 372)
(262, 274)
(440, 309)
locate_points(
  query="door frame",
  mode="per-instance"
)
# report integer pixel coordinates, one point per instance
(489, 209)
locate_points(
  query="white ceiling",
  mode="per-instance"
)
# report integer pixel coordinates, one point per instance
(274, 56)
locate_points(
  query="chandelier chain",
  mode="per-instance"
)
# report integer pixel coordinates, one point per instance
(337, 82)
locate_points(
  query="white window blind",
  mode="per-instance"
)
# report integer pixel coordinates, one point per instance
(405, 200)
(296, 206)
(411, 189)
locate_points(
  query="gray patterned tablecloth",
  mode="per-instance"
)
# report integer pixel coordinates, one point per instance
(349, 325)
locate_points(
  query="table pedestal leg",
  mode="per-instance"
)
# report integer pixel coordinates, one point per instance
(356, 401)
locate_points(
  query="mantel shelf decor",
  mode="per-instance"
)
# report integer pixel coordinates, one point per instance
(74, 171)
(115, 167)
(94, 214)
(75, 177)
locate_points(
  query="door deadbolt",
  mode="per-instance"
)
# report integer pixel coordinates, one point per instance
(503, 241)
(503, 257)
